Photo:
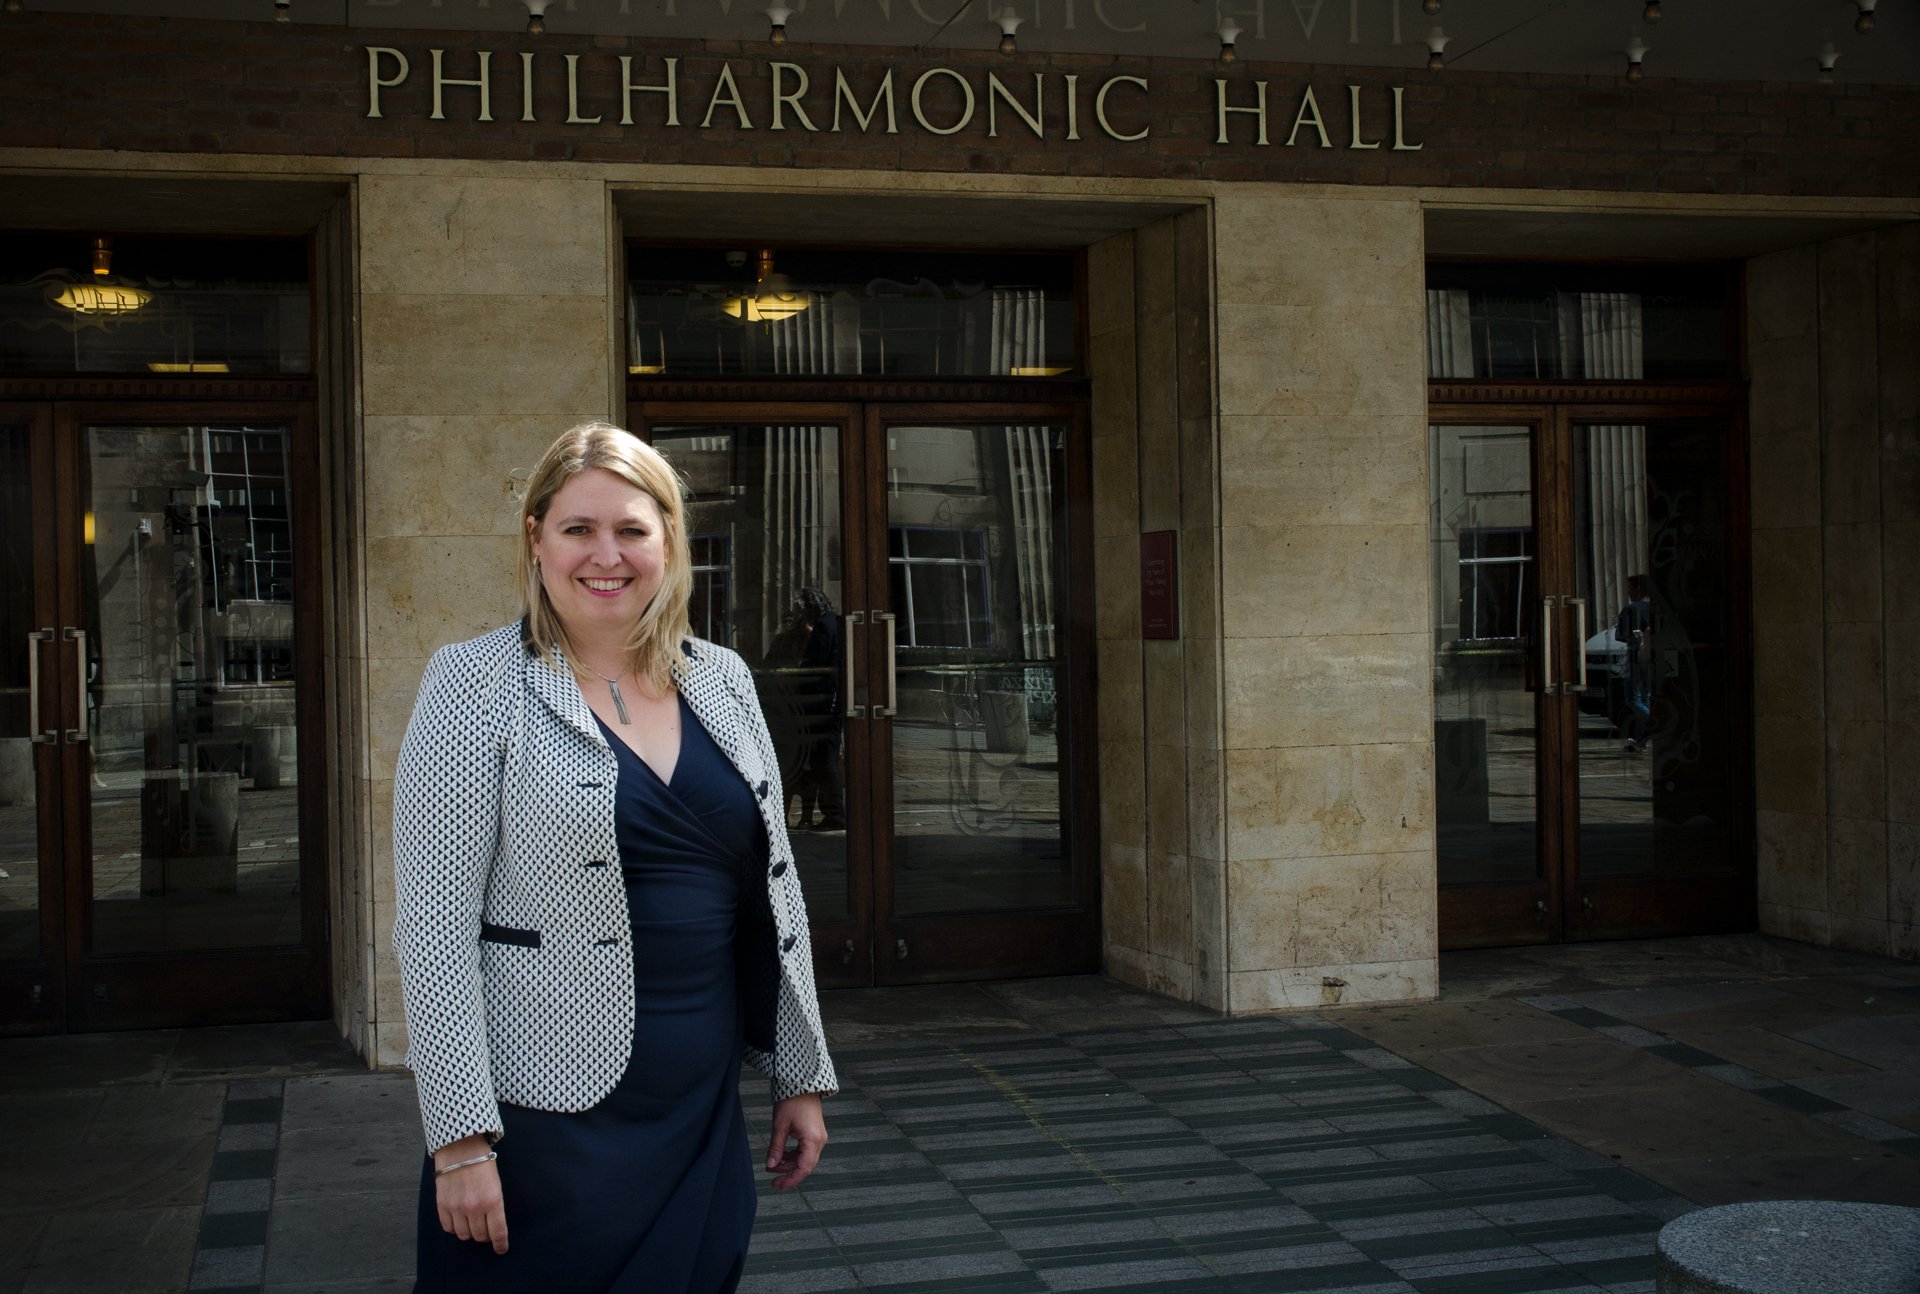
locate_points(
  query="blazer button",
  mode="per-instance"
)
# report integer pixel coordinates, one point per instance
(786, 945)
(761, 790)
(779, 868)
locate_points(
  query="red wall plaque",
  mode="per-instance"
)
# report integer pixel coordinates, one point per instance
(1160, 584)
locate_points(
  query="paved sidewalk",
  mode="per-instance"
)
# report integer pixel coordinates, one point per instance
(1532, 1131)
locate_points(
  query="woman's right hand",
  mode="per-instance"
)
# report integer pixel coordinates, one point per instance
(469, 1198)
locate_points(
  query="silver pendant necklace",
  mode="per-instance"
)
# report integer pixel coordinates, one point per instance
(613, 685)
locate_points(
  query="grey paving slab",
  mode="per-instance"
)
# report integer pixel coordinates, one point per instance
(132, 1250)
(133, 1175)
(224, 1267)
(247, 1196)
(19, 1237)
(346, 1161)
(1886, 1043)
(341, 1237)
(352, 1100)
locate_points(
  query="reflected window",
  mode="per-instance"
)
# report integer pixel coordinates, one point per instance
(1493, 582)
(711, 606)
(695, 312)
(940, 586)
(146, 305)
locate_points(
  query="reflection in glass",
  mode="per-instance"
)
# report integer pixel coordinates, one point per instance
(976, 521)
(19, 830)
(764, 527)
(1484, 702)
(188, 584)
(1650, 535)
(694, 312)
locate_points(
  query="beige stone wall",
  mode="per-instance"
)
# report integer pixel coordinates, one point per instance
(1834, 353)
(1328, 824)
(484, 332)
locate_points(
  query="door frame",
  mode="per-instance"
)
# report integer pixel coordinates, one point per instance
(1573, 907)
(170, 988)
(1022, 941)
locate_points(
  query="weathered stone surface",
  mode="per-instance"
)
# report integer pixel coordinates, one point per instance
(1790, 1247)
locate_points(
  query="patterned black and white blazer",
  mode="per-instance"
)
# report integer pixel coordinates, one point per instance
(511, 925)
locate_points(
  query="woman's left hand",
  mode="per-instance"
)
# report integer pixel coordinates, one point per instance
(798, 1119)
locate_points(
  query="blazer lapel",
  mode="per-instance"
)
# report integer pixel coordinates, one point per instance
(561, 694)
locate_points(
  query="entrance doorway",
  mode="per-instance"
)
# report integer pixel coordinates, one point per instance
(160, 851)
(907, 582)
(1591, 731)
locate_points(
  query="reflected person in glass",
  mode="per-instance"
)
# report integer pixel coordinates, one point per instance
(598, 915)
(1633, 628)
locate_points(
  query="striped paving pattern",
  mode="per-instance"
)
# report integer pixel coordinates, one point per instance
(1236, 1155)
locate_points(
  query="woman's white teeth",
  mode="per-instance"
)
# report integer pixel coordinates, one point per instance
(606, 586)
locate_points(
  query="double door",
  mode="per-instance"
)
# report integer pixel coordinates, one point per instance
(159, 849)
(908, 584)
(1590, 648)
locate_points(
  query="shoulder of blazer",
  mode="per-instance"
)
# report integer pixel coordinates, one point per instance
(487, 664)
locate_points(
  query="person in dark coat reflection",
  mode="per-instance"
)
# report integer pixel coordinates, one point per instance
(820, 702)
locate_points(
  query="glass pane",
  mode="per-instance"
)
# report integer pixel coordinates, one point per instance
(768, 582)
(165, 305)
(976, 521)
(19, 826)
(188, 583)
(1577, 322)
(707, 313)
(1651, 537)
(1484, 613)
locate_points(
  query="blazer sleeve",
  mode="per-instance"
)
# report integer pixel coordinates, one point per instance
(446, 825)
(799, 1063)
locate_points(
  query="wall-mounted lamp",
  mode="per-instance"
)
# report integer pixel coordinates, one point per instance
(777, 15)
(536, 16)
(1636, 55)
(1431, 8)
(1436, 48)
(1827, 57)
(1009, 24)
(283, 10)
(1651, 13)
(1864, 23)
(1229, 34)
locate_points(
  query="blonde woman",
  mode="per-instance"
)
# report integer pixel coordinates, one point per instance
(598, 914)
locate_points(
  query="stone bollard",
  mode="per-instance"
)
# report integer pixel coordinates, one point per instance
(1791, 1247)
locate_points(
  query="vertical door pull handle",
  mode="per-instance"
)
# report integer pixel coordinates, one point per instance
(1547, 687)
(900, 950)
(892, 707)
(78, 637)
(41, 736)
(847, 622)
(1579, 606)
(846, 953)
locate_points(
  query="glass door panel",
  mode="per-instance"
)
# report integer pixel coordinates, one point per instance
(1656, 751)
(977, 584)
(1487, 704)
(769, 582)
(28, 682)
(187, 608)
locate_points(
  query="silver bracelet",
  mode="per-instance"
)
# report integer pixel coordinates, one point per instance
(489, 1157)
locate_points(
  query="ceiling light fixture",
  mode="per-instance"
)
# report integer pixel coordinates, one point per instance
(773, 296)
(1651, 13)
(1229, 34)
(283, 10)
(1827, 57)
(1864, 23)
(102, 257)
(1009, 24)
(1430, 7)
(13, 6)
(536, 17)
(1436, 48)
(777, 16)
(1636, 55)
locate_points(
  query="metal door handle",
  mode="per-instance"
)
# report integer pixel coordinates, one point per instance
(41, 736)
(892, 707)
(849, 620)
(1579, 606)
(846, 953)
(1547, 687)
(78, 637)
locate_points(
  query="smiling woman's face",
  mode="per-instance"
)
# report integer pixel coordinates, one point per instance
(602, 549)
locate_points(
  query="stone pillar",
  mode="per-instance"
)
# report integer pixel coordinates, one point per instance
(1330, 884)
(484, 333)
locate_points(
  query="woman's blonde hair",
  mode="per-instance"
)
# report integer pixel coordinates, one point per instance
(655, 642)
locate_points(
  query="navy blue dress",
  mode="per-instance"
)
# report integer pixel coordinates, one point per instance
(650, 1190)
